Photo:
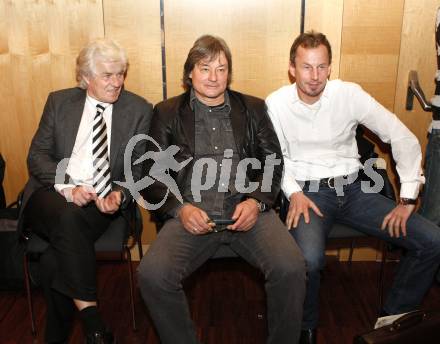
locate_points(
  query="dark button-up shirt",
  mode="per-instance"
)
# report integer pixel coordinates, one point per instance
(214, 142)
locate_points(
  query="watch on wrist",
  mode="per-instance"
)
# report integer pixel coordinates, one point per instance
(407, 201)
(262, 207)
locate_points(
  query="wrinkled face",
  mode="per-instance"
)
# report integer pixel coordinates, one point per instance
(210, 79)
(106, 85)
(311, 71)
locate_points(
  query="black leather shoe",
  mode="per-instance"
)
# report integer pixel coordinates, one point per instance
(100, 337)
(308, 336)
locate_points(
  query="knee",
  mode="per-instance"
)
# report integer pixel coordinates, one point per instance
(68, 222)
(148, 274)
(70, 213)
(429, 243)
(314, 261)
(293, 269)
(68, 231)
(154, 275)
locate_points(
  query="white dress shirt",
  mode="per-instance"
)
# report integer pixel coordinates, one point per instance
(80, 167)
(318, 141)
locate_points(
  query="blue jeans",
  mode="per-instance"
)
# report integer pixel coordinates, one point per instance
(175, 254)
(431, 192)
(365, 212)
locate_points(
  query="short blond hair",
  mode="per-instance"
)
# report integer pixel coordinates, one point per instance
(101, 49)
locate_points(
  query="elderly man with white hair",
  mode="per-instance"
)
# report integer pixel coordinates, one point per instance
(89, 125)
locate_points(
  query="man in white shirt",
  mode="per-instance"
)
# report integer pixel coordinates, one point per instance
(315, 120)
(91, 126)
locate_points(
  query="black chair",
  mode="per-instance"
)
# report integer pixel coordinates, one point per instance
(115, 242)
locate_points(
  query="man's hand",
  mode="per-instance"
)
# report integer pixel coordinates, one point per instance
(396, 219)
(109, 204)
(194, 220)
(245, 215)
(300, 205)
(83, 195)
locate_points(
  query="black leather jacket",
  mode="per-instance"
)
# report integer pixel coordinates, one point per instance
(173, 124)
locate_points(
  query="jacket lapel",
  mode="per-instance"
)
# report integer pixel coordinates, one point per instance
(187, 120)
(119, 127)
(238, 120)
(72, 113)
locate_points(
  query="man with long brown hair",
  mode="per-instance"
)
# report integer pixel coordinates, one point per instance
(218, 132)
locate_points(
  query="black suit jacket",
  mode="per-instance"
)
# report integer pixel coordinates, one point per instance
(56, 135)
(173, 124)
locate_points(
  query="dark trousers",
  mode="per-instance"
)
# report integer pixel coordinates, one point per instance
(69, 264)
(365, 212)
(176, 253)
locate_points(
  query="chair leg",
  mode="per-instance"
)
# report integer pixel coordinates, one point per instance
(382, 275)
(350, 254)
(131, 283)
(29, 293)
(137, 219)
(139, 245)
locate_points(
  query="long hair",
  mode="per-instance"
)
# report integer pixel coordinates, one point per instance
(206, 46)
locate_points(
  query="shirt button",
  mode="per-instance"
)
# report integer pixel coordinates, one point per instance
(215, 147)
(210, 110)
(213, 129)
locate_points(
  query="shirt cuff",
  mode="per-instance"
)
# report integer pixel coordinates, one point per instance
(290, 188)
(65, 190)
(410, 190)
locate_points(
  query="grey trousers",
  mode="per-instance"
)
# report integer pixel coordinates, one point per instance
(175, 254)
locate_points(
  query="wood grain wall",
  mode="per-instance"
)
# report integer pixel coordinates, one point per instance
(135, 24)
(417, 52)
(375, 43)
(39, 42)
(327, 17)
(259, 34)
(370, 49)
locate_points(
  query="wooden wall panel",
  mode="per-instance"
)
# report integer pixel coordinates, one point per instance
(370, 55)
(417, 52)
(259, 34)
(370, 46)
(38, 45)
(135, 24)
(370, 50)
(326, 16)
(39, 41)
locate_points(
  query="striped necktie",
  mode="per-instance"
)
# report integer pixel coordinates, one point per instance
(101, 161)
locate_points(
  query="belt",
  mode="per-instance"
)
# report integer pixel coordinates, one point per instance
(330, 182)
